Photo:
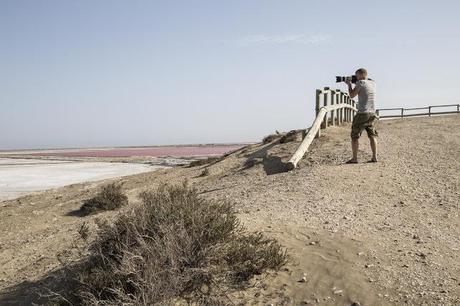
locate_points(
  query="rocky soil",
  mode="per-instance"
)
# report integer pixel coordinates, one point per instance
(374, 234)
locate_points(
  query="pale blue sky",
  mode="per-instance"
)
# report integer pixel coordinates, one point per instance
(103, 73)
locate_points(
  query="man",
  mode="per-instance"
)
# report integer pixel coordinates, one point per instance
(365, 119)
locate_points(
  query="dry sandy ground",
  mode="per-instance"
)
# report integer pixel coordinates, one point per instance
(377, 234)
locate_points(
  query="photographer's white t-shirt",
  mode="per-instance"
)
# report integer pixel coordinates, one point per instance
(366, 96)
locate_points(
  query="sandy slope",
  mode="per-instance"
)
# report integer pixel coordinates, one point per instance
(380, 234)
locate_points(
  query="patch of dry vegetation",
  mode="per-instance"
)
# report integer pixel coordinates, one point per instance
(291, 136)
(205, 161)
(270, 138)
(174, 246)
(205, 172)
(110, 197)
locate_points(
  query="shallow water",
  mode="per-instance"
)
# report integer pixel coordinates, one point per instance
(23, 176)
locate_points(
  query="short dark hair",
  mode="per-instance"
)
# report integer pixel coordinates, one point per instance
(362, 71)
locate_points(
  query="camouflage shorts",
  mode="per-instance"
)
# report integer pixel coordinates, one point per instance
(364, 121)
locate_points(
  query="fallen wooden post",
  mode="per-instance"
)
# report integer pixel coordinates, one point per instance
(313, 131)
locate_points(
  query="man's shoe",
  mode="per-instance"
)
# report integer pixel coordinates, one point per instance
(351, 161)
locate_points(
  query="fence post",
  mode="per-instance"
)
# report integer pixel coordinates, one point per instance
(318, 106)
(340, 109)
(458, 108)
(342, 113)
(402, 112)
(333, 99)
(348, 110)
(378, 113)
(429, 111)
(325, 100)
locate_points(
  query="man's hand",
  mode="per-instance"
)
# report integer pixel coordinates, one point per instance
(353, 92)
(348, 82)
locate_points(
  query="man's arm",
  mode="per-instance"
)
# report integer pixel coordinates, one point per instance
(352, 91)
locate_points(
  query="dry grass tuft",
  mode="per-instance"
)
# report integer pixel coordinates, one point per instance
(205, 172)
(174, 246)
(291, 136)
(110, 197)
(205, 161)
(251, 254)
(251, 162)
(270, 138)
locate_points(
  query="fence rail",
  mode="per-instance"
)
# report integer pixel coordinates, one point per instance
(429, 113)
(333, 107)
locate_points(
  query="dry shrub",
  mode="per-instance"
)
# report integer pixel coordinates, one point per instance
(270, 138)
(110, 197)
(83, 230)
(251, 162)
(204, 161)
(251, 254)
(174, 245)
(205, 172)
(290, 136)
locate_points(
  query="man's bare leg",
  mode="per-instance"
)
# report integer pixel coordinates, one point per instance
(354, 148)
(373, 141)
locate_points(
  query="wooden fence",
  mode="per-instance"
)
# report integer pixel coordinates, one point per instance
(410, 113)
(333, 107)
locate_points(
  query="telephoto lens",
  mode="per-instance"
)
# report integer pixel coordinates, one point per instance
(352, 79)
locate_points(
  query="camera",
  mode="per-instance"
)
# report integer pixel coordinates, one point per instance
(352, 79)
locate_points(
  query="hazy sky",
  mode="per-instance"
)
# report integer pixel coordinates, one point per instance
(101, 73)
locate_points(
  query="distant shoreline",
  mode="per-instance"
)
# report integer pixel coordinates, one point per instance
(178, 154)
(10, 151)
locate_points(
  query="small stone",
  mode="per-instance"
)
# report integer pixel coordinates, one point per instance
(355, 304)
(303, 279)
(312, 243)
(205, 289)
(338, 292)
(368, 265)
